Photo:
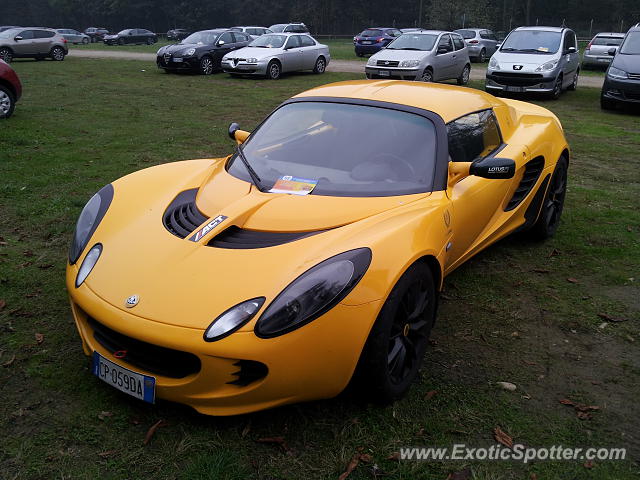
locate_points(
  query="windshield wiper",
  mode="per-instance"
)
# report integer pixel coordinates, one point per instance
(254, 176)
(408, 48)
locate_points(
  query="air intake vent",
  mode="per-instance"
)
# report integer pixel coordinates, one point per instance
(532, 172)
(235, 237)
(182, 216)
(250, 371)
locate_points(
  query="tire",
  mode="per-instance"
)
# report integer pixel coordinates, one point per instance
(574, 84)
(427, 75)
(553, 203)
(57, 54)
(7, 102)
(85, 40)
(557, 89)
(482, 57)
(6, 54)
(607, 104)
(320, 66)
(393, 352)
(206, 65)
(149, 41)
(274, 70)
(463, 79)
(368, 75)
(121, 41)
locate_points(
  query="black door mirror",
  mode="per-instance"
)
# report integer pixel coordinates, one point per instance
(493, 168)
(611, 51)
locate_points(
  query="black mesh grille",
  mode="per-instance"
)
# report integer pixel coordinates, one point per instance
(182, 216)
(152, 358)
(532, 172)
(517, 79)
(250, 371)
(235, 237)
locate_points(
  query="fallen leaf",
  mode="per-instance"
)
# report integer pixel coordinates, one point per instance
(629, 229)
(429, 395)
(527, 362)
(107, 453)
(45, 266)
(507, 386)
(553, 253)
(39, 338)
(572, 280)
(152, 430)
(2, 304)
(566, 401)
(541, 270)
(280, 441)
(502, 437)
(533, 476)
(246, 430)
(355, 460)
(586, 408)
(461, 475)
(28, 253)
(9, 362)
(394, 456)
(102, 415)
(609, 318)
(589, 464)
(582, 411)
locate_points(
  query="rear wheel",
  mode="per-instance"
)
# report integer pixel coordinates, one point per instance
(57, 54)
(149, 41)
(6, 54)
(321, 65)
(274, 70)
(482, 56)
(85, 40)
(7, 102)
(549, 219)
(206, 65)
(393, 352)
(463, 79)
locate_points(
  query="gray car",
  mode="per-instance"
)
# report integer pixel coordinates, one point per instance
(481, 43)
(253, 31)
(596, 54)
(535, 59)
(273, 54)
(426, 55)
(32, 42)
(74, 36)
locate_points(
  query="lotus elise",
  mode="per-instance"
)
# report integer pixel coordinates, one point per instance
(312, 256)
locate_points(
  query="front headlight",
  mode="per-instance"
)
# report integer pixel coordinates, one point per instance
(409, 63)
(493, 64)
(233, 319)
(372, 61)
(546, 67)
(189, 52)
(313, 293)
(614, 72)
(88, 263)
(90, 217)
(252, 60)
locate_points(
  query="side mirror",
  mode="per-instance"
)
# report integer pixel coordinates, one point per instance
(220, 43)
(17, 38)
(494, 168)
(571, 50)
(239, 136)
(611, 51)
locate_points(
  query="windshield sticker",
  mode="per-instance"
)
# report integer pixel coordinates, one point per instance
(207, 228)
(542, 49)
(293, 185)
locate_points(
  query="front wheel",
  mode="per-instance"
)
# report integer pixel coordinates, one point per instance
(393, 352)
(149, 41)
(57, 54)
(7, 102)
(606, 104)
(206, 65)
(557, 89)
(463, 79)
(427, 75)
(274, 71)
(85, 40)
(549, 218)
(320, 66)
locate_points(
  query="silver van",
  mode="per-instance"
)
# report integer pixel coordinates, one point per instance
(535, 59)
(426, 55)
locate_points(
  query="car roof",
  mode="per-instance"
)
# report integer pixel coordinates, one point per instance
(609, 34)
(448, 101)
(431, 32)
(471, 29)
(545, 29)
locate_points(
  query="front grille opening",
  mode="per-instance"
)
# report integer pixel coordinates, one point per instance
(147, 356)
(236, 237)
(182, 216)
(249, 371)
(518, 79)
(532, 171)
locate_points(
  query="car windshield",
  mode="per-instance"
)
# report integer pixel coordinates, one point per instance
(344, 149)
(466, 34)
(411, 41)
(532, 41)
(608, 41)
(203, 38)
(277, 28)
(269, 41)
(631, 45)
(123, 32)
(372, 33)
(12, 32)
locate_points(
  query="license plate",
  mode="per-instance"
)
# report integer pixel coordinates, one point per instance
(142, 387)
(514, 89)
(383, 73)
(604, 60)
(367, 43)
(177, 59)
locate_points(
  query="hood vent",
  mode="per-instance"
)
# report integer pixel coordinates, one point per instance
(532, 172)
(182, 216)
(235, 237)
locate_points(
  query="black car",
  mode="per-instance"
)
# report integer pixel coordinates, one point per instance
(622, 81)
(131, 36)
(96, 34)
(201, 51)
(178, 34)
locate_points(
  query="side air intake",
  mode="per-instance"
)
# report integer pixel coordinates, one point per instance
(532, 172)
(235, 237)
(182, 216)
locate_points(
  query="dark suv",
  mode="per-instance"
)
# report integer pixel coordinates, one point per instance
(372, 40)
(622, 81)
(96, 34)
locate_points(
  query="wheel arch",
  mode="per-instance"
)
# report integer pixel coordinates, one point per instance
(9, 87)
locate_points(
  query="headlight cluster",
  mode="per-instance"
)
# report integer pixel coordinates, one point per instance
(546, 67)
(189, 52)
(90, 217)
(614, 72)
(409, 63)
(372, 61)
(88, 263)
(493, 64)
(306, 298)
(251, 60)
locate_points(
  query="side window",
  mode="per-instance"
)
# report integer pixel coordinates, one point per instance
(444, 45)
(293, 42)
(306, 41)
(43, 34)
(288, 28)
(226, 38)
(26, 34)
(569, 40)
(458, 42)
(473, 136)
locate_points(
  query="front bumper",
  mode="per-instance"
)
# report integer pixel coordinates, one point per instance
(392, 72)
(596, 60)
(244, 68)
(313, 362)
(169, 63)
(623, 91)
(519, 82)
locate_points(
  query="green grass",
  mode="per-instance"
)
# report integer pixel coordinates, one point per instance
(83, 123)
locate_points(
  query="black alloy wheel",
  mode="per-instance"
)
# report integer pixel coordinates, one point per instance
(553, 204)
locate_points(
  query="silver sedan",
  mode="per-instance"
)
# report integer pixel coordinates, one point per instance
(273, 54)
(74, 36)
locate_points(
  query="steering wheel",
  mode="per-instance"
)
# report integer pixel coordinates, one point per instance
(401, 167)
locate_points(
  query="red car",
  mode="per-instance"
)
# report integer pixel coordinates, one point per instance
(10, 90)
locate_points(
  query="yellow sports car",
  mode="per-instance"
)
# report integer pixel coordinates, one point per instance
(313, 255)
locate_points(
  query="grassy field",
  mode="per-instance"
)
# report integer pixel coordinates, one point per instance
(521, 312)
